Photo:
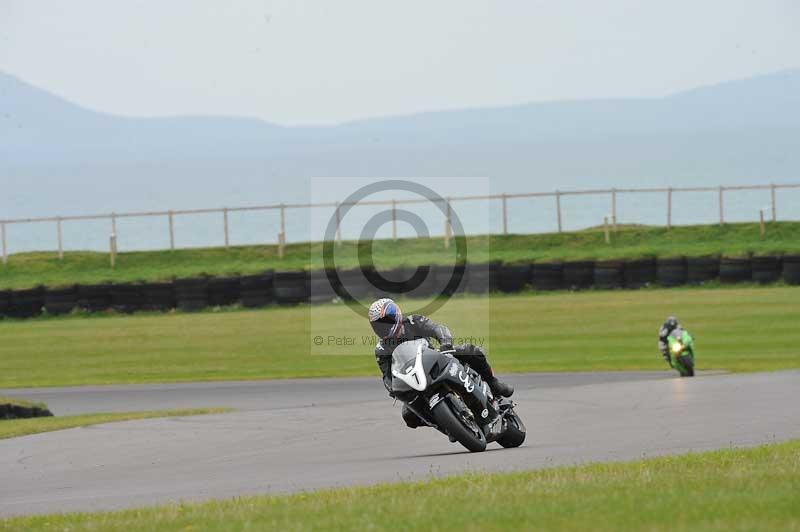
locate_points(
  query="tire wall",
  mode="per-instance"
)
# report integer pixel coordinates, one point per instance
(295, 287)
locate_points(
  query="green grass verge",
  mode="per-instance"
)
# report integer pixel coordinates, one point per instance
(739, 329)
(736, 489)
(13, 428)
(30, 269)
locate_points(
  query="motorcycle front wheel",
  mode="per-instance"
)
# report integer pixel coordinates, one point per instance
(456, 425)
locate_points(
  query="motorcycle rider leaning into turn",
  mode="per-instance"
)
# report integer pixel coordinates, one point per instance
(392, 328)
(669, 325)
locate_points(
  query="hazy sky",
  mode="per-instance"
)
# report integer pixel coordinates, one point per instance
(298, 62)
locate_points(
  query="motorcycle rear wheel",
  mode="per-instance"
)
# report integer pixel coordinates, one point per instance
(451, 423)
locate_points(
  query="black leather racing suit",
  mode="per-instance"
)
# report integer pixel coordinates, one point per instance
(416, 327)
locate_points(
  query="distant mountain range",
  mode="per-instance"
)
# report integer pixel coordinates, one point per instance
(53, 152)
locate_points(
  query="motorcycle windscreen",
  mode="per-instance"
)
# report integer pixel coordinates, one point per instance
(405, 354)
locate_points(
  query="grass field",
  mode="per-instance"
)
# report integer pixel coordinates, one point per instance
(739, 329)
(735, 489)
(13, 428)
(30, 269)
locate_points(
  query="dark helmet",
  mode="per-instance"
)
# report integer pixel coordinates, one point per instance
(386, 318)
(670, 324)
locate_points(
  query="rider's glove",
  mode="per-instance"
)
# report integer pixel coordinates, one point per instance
(446, 348)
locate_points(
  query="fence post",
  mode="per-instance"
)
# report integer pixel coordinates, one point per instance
(447, 227)
(225, 223)
(112, 245)
(338, 236)
(171, 232)
(605, 230)
(505, 214)
(558, 209)
(614, 208)
(394, 220)
(282, 234)
(5, 250)
(669, 208)
(761, 223)
(113, 223)
(774, 210)
(60, 241)
(721, 206)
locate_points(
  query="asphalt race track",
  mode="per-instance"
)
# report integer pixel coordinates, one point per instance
(307, 434)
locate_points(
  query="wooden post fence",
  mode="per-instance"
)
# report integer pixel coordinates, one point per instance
(5, 249)
(761, 223)
(558, 209)
(614, 208)
(772, 196)
(60, 240)
(338, 236)
(721, 207)
(282, 234)
(225, 223)
(669, 208)
(505, 214)
(394, 220)
(171, 232)
(605, 230)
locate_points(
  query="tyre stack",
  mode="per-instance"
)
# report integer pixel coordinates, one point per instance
(766, 270)
(735, 270)
(412, 287)
(482, 278)
(322, 286)
(513, 277)
(578, 274)
(609, 274)
(158, 296)
(26, 303)
(127, 298)
(790, 270)
(702, 269)
(94, 298)
(224, 291)
(291, 287)
(671, 271)
(355, 285)
(640, 272)
(5, 302)
(549, 276)
(256, 290)
(451, 279)
(58, 301)
(191, 294)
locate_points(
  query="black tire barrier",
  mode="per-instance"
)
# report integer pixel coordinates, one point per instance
(609, 274)
(224, 291)
(191, 294)
(513, 277)
(443, 276)
(256, 290)
(735, 270)
(548, 276)
(702, 269)
(354, 285)
(127, 298)
(578, 274)
(158, 296)
(58, 301)
(791, 269)
(639, 273)
(94, 298)
(5, 302)
(766, 270)
(12, 411)
(291, 287)
(482, 278)
(671, 271)
(26, 303)
(320, 289)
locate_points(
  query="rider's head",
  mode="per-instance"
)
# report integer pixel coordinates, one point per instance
(670, 324)
(386, 318)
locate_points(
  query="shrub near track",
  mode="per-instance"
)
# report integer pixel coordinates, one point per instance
(734, 489)
(739, 329)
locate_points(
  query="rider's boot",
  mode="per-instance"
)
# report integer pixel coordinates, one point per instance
(499, 387)
(412, 420)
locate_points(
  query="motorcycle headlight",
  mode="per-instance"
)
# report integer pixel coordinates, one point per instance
(677, 347)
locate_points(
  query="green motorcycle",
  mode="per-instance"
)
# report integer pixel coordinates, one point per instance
(681, 352)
